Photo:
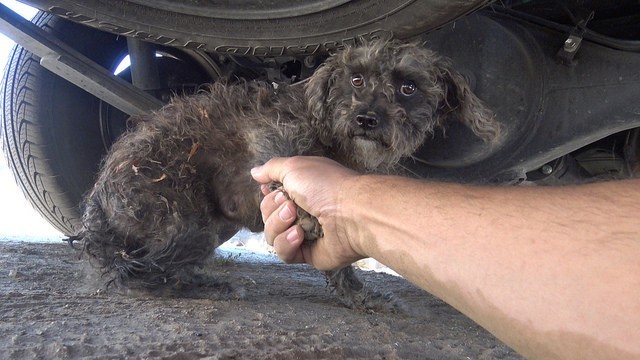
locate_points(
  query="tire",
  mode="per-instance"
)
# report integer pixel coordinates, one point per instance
(54, 134)
(273, 28)
(48, 136)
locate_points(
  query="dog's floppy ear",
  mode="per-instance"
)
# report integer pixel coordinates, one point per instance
(460, 103)
(317, 94)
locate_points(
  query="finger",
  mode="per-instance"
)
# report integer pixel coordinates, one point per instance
(288, 245)
(270, 171)
(279, 220)
(270, 203)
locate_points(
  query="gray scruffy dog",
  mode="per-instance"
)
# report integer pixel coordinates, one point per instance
(178, 184)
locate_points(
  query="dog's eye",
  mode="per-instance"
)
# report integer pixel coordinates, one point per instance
(408, 88)
(357, 80)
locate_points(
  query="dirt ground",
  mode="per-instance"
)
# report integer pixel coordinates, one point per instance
(52, 308)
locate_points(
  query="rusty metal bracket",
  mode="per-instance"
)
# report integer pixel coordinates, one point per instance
(62, 60)
(572, 44)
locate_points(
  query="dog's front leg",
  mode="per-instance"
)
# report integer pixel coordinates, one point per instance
(356, 295)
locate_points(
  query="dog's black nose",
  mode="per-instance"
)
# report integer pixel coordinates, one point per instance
(368, 121)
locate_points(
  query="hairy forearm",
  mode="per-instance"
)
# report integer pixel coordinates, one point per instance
(559, 267)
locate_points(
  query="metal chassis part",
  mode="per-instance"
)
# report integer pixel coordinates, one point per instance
(549, 109)
(69, 64)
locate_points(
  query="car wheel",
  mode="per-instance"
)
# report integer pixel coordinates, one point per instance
(54, 134)
(261, 28)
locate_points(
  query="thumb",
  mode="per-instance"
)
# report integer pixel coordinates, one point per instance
(272, 170)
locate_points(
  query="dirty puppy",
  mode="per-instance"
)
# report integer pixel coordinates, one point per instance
(177, 184)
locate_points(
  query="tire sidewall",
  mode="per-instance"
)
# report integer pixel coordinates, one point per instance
(52, 133)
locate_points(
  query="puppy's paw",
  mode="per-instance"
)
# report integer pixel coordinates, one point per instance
(310, 224)
(274, 186)
(369, 300)
(355, 295)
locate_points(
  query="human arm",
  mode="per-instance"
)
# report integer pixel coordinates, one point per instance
(551, 271)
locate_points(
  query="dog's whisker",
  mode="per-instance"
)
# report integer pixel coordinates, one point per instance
(420, 160)
(409, 171)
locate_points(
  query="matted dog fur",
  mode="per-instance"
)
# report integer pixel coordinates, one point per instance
(178, 184)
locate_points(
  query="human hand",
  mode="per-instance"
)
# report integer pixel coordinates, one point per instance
(315, 184)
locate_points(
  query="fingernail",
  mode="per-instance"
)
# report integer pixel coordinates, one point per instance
(255, 170)
(292, 236)
(280, 198)
(285, 214)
